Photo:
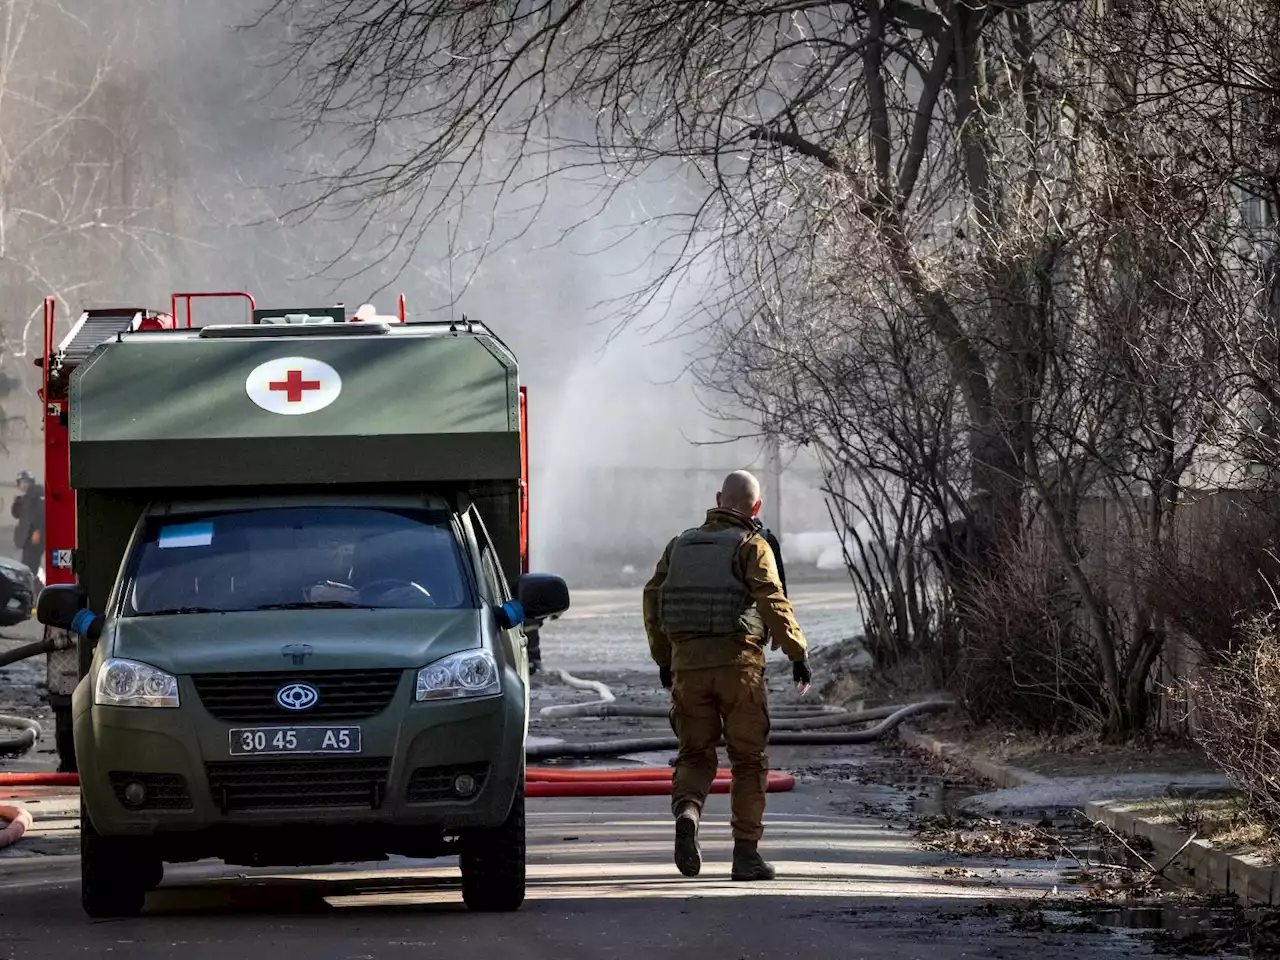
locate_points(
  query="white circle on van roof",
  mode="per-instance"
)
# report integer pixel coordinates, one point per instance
(293, 385)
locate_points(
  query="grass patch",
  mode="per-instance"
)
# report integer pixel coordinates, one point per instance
(1225, 822)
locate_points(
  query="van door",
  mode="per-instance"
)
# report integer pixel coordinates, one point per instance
(495, 584)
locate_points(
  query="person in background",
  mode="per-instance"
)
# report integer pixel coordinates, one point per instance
(713, 598)
(776, 547)
(28, 510)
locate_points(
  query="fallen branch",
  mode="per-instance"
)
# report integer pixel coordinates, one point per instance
(1124, 843)
(1177, 853)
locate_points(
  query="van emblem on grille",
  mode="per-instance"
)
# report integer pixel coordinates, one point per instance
(297, 696)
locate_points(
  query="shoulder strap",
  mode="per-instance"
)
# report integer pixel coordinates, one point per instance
(741, 567)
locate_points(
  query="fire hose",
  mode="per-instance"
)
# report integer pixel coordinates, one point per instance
(19, 820)
(792, 725)
(31, 731)
(24, 741)
(29, 650)
(795, 737)
(539, 782)
(781, 718)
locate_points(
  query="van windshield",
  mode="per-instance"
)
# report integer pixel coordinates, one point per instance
(296, 558)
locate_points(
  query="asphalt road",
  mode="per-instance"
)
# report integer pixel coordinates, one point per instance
(605, 629)
(601, 886)
(853, 881)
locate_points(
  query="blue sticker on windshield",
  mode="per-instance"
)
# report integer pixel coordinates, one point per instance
(186, 535)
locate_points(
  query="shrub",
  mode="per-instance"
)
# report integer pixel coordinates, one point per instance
(1021, 657)
(1237, 711)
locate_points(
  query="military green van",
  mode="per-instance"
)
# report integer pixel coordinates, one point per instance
(301, 644)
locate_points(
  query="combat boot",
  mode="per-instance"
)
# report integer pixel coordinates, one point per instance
(748, 864)
(688, 853)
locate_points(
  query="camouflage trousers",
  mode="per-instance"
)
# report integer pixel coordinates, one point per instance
(716, 702)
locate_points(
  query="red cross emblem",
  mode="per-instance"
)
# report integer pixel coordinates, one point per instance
(294, 386)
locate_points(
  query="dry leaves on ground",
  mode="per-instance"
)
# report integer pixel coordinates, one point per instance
(988, 838)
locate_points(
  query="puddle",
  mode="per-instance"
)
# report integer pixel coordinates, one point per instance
(1177, 923)
(939, 799)
(1144, 918)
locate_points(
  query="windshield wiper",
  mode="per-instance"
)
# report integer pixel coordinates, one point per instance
(316, 605)
(173, 611)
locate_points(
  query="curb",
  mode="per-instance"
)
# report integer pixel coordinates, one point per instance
(1199, 865)
(1002, 775)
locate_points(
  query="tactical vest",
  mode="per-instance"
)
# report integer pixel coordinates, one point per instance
(704, 594)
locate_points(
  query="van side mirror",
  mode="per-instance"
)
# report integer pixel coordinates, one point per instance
(542, 595)
(59, 603)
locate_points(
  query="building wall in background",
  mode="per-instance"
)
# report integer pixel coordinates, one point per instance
(624, 517)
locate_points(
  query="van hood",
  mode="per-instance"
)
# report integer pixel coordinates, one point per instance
(275, 639)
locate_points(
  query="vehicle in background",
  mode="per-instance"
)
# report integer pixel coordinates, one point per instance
(18, 588)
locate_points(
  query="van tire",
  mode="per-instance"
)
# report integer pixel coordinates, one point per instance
(493, 863)
(113, 877)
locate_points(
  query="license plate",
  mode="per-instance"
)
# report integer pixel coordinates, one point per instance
(252, 741)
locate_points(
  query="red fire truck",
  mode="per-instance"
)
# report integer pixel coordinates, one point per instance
(59, 361)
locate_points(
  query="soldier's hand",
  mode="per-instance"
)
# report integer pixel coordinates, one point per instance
(664, 677)
(802, 675)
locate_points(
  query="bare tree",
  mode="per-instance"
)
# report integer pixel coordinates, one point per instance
(87, 165)
(985, 256)
(804, 130)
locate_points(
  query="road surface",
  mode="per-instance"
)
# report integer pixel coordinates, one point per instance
(605, 629)
(852, 885)
(854, 882)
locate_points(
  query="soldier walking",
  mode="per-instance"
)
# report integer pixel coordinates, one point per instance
(713, 599)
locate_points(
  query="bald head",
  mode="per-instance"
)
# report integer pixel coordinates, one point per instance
(740, 492)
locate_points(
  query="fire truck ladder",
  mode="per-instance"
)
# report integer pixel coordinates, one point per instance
(93, 328)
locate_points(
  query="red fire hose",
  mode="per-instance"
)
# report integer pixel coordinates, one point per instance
(541, 782)
(612, 775)
(19, 820)
(39, 780)
(778, 783)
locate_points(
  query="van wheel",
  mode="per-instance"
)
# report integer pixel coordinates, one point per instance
(493, 863)
(113, 876)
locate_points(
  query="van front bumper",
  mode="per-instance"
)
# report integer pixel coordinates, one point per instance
(415, 767)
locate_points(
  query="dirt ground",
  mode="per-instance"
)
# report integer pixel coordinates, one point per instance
(1086, 755)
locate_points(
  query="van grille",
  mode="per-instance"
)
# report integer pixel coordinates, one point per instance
(251, 697)
(275, 784)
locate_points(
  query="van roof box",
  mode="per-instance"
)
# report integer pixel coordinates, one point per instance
(296, 405)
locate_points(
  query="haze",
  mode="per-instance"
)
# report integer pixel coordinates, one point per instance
(180, 135)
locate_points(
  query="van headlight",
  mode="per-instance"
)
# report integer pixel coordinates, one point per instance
(127, 683)
(472, 673)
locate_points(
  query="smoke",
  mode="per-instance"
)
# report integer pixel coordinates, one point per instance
(617, 435)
